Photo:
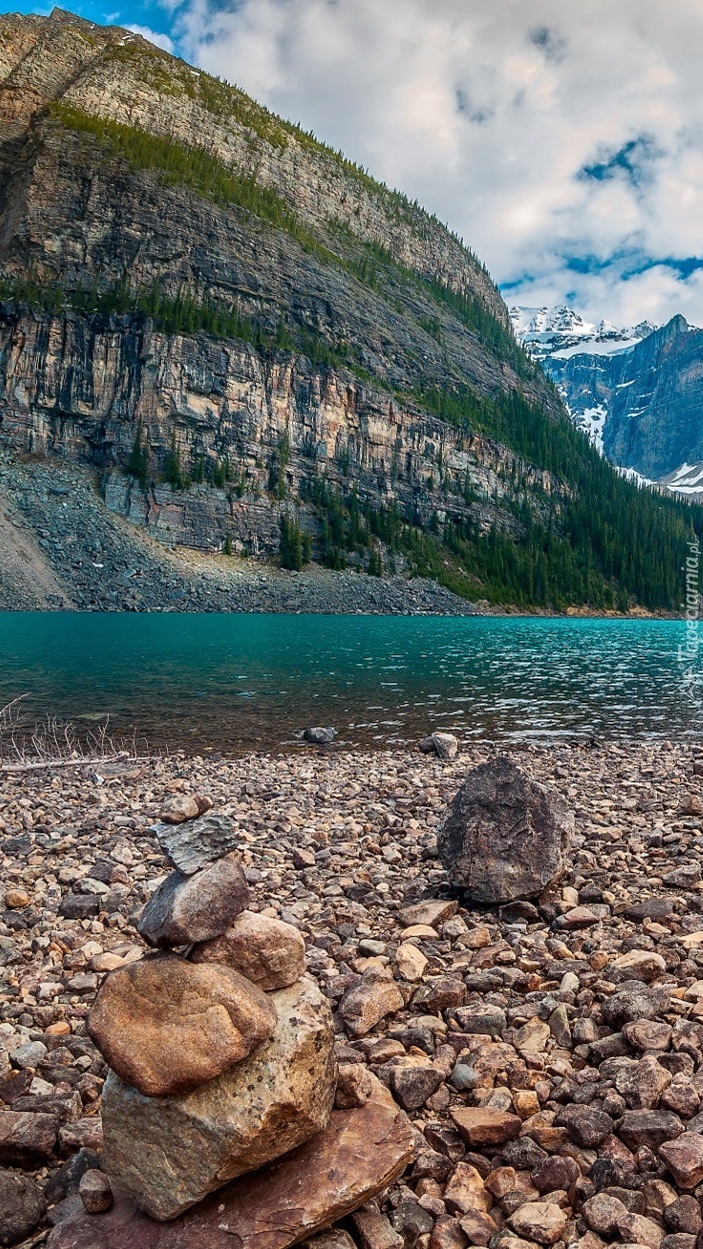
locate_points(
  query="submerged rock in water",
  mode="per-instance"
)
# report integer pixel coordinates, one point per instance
(166, 1026)
(504, 835)
(359, 1153)
(200, 907)
(171, 1152)
(265, 950)
(195, 844)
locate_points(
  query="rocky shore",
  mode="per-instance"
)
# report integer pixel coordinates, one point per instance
(61, 549)
(548, 1053)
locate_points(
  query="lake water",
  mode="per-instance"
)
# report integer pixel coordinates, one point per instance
(230, 682)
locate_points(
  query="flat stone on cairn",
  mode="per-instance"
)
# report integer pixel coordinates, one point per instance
(504, 836)
(194, 844)
(359, 1153)
(166, 1026)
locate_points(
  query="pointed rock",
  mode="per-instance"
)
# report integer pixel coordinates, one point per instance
(200, 907)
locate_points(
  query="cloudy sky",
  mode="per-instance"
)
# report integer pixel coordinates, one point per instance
(563, 139)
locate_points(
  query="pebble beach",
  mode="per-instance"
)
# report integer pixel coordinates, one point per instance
(549, 1053)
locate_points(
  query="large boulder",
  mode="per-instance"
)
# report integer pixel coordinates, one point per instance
(195, 844)
(359, 1153)
(185, 909)
(504, 835)
(265, 950)
(167, 1026)
(170, 1152)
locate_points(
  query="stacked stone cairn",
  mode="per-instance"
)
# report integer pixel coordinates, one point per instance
(221, 1055)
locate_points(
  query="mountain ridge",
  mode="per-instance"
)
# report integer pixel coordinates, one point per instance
(261, 348)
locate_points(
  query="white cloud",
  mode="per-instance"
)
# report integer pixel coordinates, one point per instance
(161, 41)
(488, 112)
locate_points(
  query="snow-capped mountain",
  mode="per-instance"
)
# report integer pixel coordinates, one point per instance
(562, 332)
(637, 392)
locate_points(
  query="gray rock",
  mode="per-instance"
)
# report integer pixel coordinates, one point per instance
(319, 737)
(504, 836)
(185, 909)
(169, 1152)
(196, 844)
(633, 1001)
(444, 745)
(22, 1205)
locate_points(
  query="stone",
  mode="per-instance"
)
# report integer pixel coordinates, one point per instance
(68, 1177)
(644, 965)
(682, 1097)
(359, 1154)
(684, 1158)
(649, 1127)
(650, 908)
(447, 1234)
(185, 909)
(532, 1037)
(634, 1000)
(79, 906)
(182, 807)
(478, 1226)
(586, 1125)
(170, 1152)
(504, 836)
(539, 1220)
(482, 1019)
(684, 1215)
(444, 745)
(16, 899)
(639, 1230)
(196, 844)
(354, 1086)
(642, 1083)
(95, 1191)
(268, 952)
(466, 1191)
(648, 1034)
(319, 736)
(603, 1213)
(482, 1125)
(167, 1026)
(555, 1173)
(374, 1230)
(432, 913)
(366, 1004)
(413, 1085)
(26, 1138)
(410, 961)
(22, 1206)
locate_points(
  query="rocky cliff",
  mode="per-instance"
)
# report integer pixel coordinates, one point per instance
(239, 329)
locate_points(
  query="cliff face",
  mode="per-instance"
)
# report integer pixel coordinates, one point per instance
(356, 274)
(243, 333)
(651, 398)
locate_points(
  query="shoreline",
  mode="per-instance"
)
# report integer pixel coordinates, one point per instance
(61, 549)
(338, 844)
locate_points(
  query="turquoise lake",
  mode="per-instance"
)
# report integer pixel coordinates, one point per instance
(229, 683)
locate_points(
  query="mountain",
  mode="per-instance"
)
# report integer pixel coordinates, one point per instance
(255, 347)
(562, 332)
(637, 393)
